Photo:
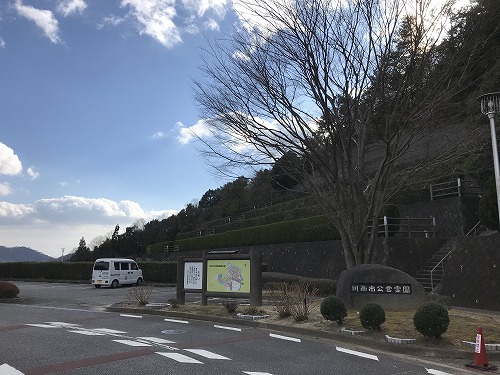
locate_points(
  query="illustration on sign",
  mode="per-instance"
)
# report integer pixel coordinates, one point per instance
(228, 276)
(193, 275)
(381, 288)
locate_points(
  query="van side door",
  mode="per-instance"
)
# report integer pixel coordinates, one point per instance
(125, 273)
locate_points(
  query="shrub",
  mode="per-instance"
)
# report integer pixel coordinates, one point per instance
(230, 306)
(333, 308)
(140, 295)
(8, 290)
(372, 316)
(431, 319)
(293, 299)
(173, 303)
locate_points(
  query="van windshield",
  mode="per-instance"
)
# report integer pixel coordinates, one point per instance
(101, 266)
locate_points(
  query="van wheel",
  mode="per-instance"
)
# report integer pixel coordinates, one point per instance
(114, 284)
(139, 282)
(97, 286)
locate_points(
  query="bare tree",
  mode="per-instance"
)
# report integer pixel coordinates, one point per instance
(350, 88)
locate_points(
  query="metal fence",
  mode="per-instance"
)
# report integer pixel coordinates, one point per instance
(405, 227)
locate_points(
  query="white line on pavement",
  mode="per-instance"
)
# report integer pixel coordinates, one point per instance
(228, 328)
(177, 321)
(131, 316)
(436, 372)
(5, 369)
(256, 373)
(179, 357)
(132, 343)
(206, 354)
(359, 354)
(284, 337)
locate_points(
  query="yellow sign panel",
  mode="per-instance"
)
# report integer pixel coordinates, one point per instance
(231, 276)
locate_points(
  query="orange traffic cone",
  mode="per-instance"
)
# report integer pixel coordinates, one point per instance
(480, 358)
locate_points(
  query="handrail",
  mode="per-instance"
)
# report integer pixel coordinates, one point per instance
(432, 271)
(473, 228)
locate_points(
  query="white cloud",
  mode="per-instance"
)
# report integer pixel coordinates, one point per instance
(14, 211)
(5, 188)
(44, 19)
(9, 161)
(212, 24)
(200, 7)
(49, 224)
(32, 173)
(2, 43)
(159, 135)
(187, 134)
(155, 18)
(69, 7)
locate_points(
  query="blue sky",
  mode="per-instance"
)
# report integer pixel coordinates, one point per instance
(95, 100)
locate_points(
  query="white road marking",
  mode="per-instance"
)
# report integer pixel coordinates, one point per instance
(359, 354)
(63, 325)
(206, 354)
(131, 316)
(256, 373)
(285, 337)
(179, 357)
(132, 343)
(228, 328)
(107, 330)
(177, 321)
(436, 372)
(5, 369)
(42, 325)
(88, 333)
(156, 340)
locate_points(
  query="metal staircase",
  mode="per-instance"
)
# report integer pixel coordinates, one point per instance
(432, 272)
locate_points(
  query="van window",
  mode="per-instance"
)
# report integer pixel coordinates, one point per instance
(124, 266)
(101, 266)
(117, 266)
(133, 266)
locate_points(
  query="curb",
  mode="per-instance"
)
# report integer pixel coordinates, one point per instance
(413, 349)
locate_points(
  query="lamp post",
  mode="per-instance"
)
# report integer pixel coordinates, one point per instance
(490, 106)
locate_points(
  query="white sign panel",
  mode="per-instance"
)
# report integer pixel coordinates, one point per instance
(193, 275)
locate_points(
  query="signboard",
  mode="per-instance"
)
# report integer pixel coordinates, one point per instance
(231, 275)
(376, 288)
(193, 275)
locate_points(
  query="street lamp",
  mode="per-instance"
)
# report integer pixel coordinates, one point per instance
(490, 106)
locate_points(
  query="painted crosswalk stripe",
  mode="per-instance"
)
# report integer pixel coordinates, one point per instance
(131, 316)
(284, 337)
(108, 331)
(177, 321)
(5, 369)
(436, 372)
(179, 357)
(206, 354)
(228, 328)
(156, 340)
(359, 354)
(88, 333)
(42, 325)
(132, 343)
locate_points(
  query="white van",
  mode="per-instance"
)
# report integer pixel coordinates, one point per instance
(116, 271)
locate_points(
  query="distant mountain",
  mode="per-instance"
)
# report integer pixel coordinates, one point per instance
(22, 254)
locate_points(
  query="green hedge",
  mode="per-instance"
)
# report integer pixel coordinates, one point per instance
(315, 228)
(153, 272)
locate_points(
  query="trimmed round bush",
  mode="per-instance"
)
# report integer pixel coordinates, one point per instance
(431, 319)
(372, 316)
(8, 290)
(333, 308)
